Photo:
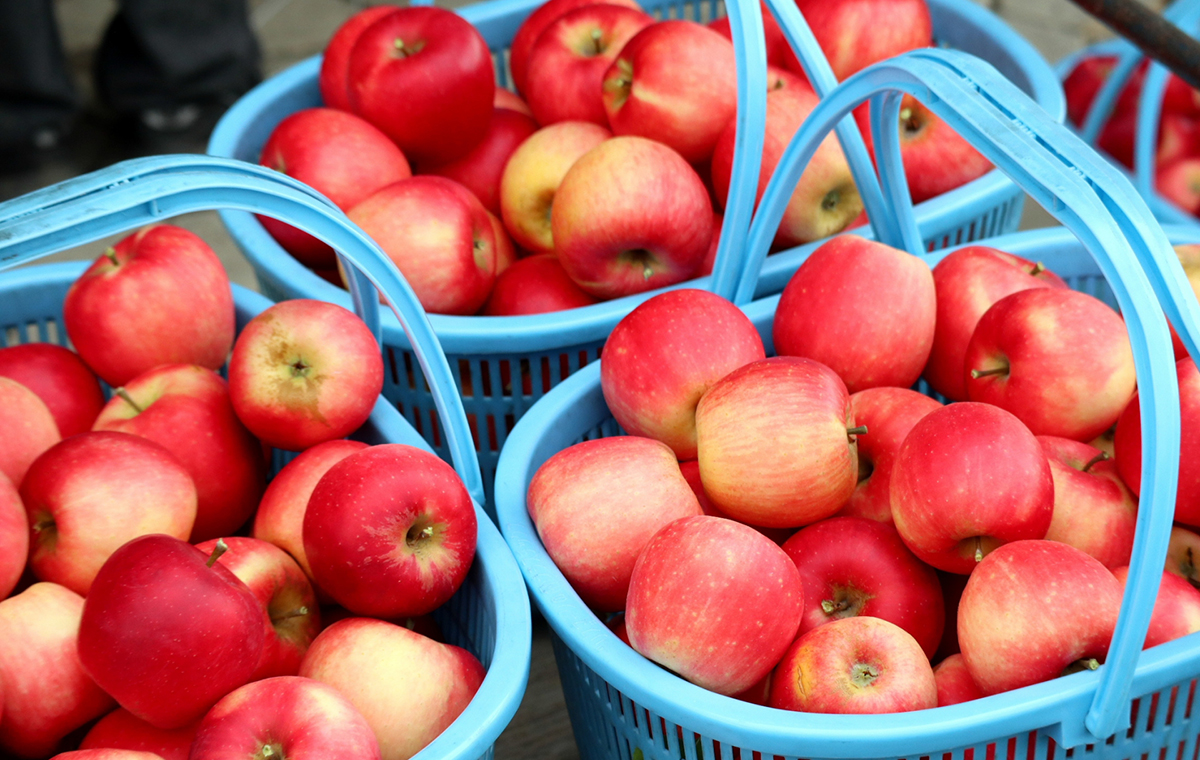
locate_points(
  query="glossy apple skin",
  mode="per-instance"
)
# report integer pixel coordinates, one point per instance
(298, 718)
(532, 177)
(953, 495)
(438, 235)
(121, 730)
(954, 682)
(90, 494)
(1176, 608)
(60, 379)
(967, 283)
(1183, 555)
(142, 640)
(46, 692)
(14, 539)
(662, 357)
(596, 505)
(1068, 359)
(567, 63)
(888, 414)
(674, 82)
(166, 300)
(1093, 510)
(386, 670)
(280, 515)
(329, 397)
(535, 285)
(434, 97)
(187, 410)
(288, 602)
(894, 27)
(533, 26)
(336, 153)
(863, 309)
(750, 426)
(390, 531)
(480, 170)
(335, 64)
(630, 216)
(714, 601)
(857, 665)
(29, 429)
(1007, 639)
(860, 566)
(825, 200)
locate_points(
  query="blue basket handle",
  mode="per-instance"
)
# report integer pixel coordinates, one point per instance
(145, 191)
(1111, 221)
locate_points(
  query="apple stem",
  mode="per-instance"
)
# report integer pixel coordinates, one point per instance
(111, 253)
(1101, 457)
(978, 549)
(128, 399)
(597, 35)
(978, 373)
(1038, 268)
(43, 524)
(217, 551)
(855, 431)
(828, 606)
(647, 272)
(298, 612)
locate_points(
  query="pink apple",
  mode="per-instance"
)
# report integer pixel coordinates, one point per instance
(954, 682)
(160, 296)
(1093, 510)
(14, 538)
(533, 26)
(304, 372)
(121, 730)
(29, 429)
(1176, 608)
(596, 505)
(335, 64)
(480, 170)
(506, 252)
(535, 285)
(841, 28)
(1189, 259)
(60, 379)
(1179, 182)
(1183, 555)
(714, 601)
(92, 493)
(691, 473)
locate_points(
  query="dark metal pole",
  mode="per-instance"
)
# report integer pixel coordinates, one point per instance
(1151, 33)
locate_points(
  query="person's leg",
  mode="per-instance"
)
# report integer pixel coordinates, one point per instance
(37, 98)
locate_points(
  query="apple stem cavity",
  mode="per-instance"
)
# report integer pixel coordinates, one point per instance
(1038, 268)
(415, 536)
(863, 674)
(404, 51)
(853, 432)
(621, 85)
(217, 551)
(111, 253)
(1101, 457)
(124, 395)
(831, 200)
(978, 373)
(830, 607)
(299, 368)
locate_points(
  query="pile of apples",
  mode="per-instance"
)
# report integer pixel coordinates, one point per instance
(1177, 149)
(807, 532)
(608, 178)
(152, 579)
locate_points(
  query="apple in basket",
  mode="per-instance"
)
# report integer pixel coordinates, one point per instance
(60, 379)
(14, 537)
(853, 34)
(535, 285)
(335, 64)
(1183, 555)
(29, 429)
(1176, 609)
(533, 26)
(954, 682)
(480, 170)
(1093, 509)
(121, 730)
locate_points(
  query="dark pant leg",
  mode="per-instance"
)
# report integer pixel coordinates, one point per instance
(164, 53)
(36, 93)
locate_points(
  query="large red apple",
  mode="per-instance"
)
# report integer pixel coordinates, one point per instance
(121, 730)
(853, 34)
(1176, 608)
(1093, 509)
(60, 379)
(335, 64)
(533, 26)
(480, 170)
(29, 429)
(535, 285)
(14, 538)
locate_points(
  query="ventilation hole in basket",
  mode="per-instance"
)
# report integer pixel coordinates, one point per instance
(409, 375)
(485, 379)
(1162, 754)
(506, 382)
(1182, 744)
(465, 381)
(52, 334)
(33, 332)
(1153, 713)
(547, 381)
(416, 422)
(391, 361)
(971, 231)
(493, 439)
(1134, 710)
(474, 430)
(1187, 712)
(435, 428)
(510, 421)
(526, 377)
(930, 247)
(12, 336)
(1051, 746)
(1171, 704)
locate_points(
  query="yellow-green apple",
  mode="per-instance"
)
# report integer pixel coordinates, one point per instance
(506, 252)
(280, 515)
(304, 372)
(511, 101)
(386, 671)
(1033, 609)
(662, 357)
(533, 26)
(159, 296)
(335, 64)
(533, 174)
(776, 443)
(390, 531)
(90, 494)
(292, 617)
(968, 282)
(856, 566)
(888, 414)
(691, 473)
(565, 76)
(596, 505)
(853, 34)
(424, 76)
(120, 729)
(60, 379)
(1060, 360)
(630, 216)
(1183, 555)
(1179, 182)
(168, 631)
(825, 200)
(47, 695)
(186, 409)
(823, 313)
(955, 498)
(336, 153)
(438, 235)
(535, 285)
(286, 717)
(674, 82)
(857, 665)
(714, 601)
(779, 52)
(29, 429)
(954, 682)
(1093, 509)
(480, 170)
(1176, 608)
(14, 538)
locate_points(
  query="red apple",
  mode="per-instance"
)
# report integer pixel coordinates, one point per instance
(954, 682)
(90, 494)
(1176, 608)
(1083, 84)
(159, 296)
(533, 26)
(714, 601)
(1093, 510)
(14, 539)
(936, 158)
(1179, 182)
(596, 505)
(121, 730)
(853, 34)
(304, 372)
(29, 429)
(1183, 555)
(60, 379)
(691, 473)
(510, 100)
(506, 252)
(535, 285)
(107, 754)
(480, 170)
(336, 62)
(1178, 136)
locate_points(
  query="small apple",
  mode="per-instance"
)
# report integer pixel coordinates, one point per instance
(954, 682)
(121, 730)
(60, 379)
(1093, 509)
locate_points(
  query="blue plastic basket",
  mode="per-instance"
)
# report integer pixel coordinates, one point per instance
(538, 352)
(1138, 704)
(489, 615)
